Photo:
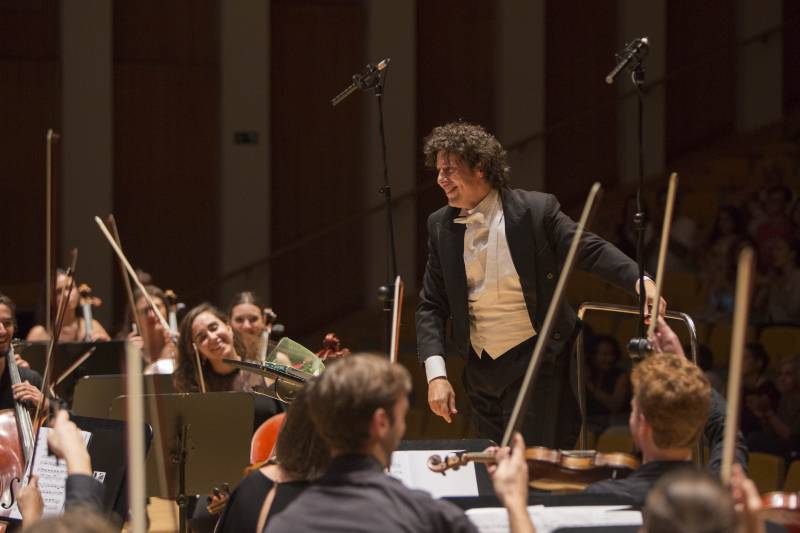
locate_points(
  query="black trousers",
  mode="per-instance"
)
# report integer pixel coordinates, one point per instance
(552, 418)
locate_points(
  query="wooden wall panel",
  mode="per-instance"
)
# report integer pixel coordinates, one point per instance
(166, 142)
(30, 92)
(580, 110)
(701, 73)
(316, 159)
(456, 47)
(791, 51)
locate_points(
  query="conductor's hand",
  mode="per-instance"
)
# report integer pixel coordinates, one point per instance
(442, 398)
(650, 293)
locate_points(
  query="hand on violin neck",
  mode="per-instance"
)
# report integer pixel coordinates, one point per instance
(510, 474)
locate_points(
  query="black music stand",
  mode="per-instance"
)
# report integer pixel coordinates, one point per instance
(202, 441)
(109, 462)
(79, 359)
(94, 394)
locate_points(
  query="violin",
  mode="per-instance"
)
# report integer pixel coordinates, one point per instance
(332, 348)
(563, 470)
(782, 507)
(87, 301)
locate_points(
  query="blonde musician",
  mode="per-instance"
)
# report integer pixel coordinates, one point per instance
(29, 390)
(74, 329)
(246, 315)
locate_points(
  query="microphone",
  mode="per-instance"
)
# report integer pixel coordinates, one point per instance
(635, 49)
(367, 80)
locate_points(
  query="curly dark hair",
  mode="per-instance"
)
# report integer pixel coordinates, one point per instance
(474, 145)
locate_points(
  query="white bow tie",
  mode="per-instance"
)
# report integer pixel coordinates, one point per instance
(470, 219)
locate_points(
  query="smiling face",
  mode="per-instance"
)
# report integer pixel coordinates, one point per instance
(212, 336)
(6, 328)
(247, 319)
(464, 187)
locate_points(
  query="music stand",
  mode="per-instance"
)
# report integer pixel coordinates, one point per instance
(77, 359)
(94, 394)
(203, 440)
(109, 463)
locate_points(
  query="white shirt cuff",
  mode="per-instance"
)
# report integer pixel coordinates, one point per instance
(435, 367)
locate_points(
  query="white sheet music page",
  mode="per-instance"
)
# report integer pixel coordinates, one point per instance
(411, 467)
(548, 519)
(52, 474)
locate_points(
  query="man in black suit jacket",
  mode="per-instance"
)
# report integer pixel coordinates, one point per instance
(494, 257)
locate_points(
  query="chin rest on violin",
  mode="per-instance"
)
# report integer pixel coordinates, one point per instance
(553, 470)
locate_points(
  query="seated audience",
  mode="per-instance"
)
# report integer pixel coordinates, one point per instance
(758, 391)
(780, 429)
(777, 299)
(358, 406)
(607, 385)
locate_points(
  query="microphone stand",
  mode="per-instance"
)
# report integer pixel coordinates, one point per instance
(638, 348)
(375, 80)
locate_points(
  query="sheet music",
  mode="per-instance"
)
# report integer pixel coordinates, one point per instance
(52, 474)
(548, 519)
(411, 468)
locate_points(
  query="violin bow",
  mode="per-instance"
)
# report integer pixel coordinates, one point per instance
(744, 285)
(397, 312)
(132, 272)
(112, 224)
(662, 253)
(543, 335)
(48, 365)
(135, 414)
(50, 139)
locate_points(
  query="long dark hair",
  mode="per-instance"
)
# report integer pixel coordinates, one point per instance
(185, 375)
(299, 448)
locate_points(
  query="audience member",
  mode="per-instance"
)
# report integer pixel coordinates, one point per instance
(607, 385)
(758, 391)
(777, 299)
(780, 429)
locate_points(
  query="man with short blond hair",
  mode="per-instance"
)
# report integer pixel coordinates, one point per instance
(669, 409)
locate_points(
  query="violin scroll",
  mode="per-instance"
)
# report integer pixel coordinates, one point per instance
(454, 461)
